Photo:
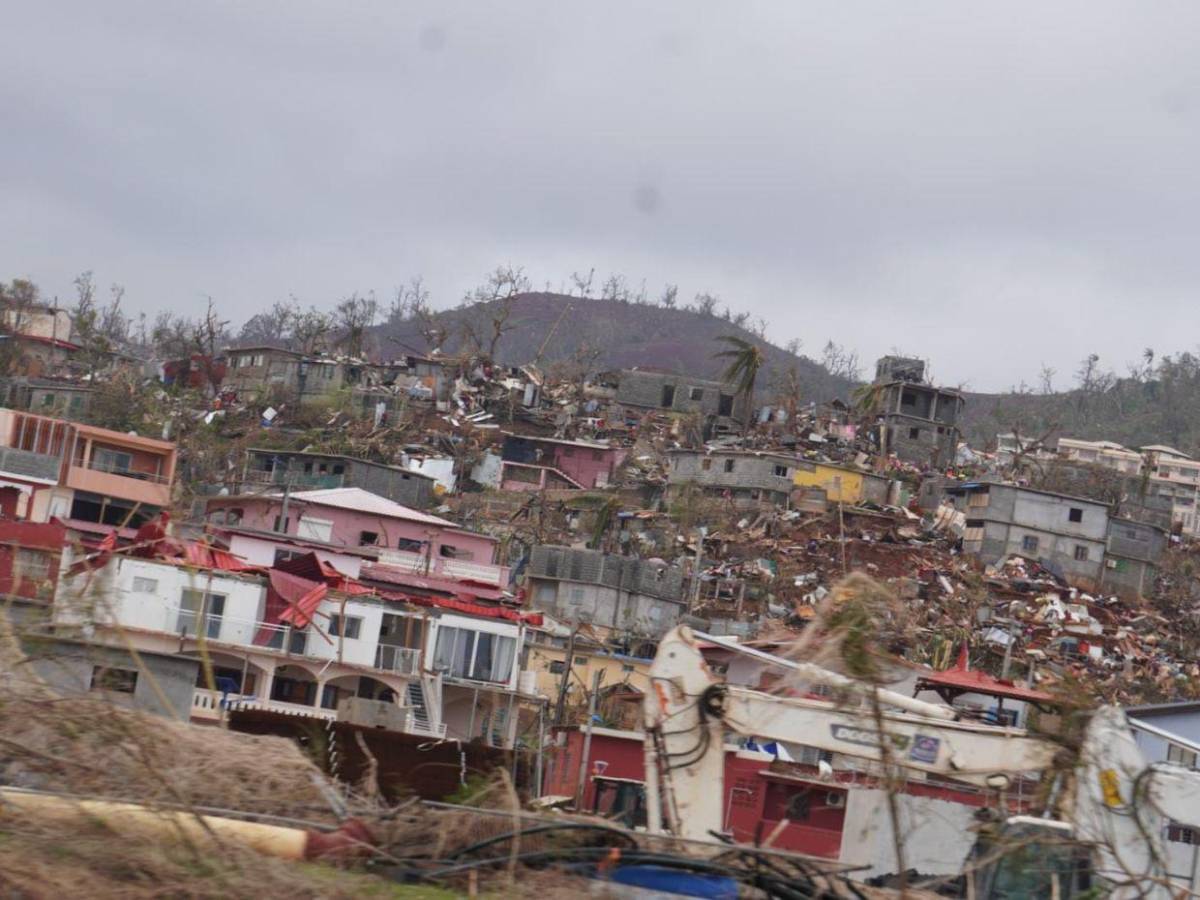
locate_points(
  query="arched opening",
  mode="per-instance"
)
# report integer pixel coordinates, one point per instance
(338, 689)
(293, 684)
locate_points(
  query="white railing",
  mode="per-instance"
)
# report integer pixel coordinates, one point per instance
(231, 630)
(412, 727)
(419, 564)
(401, 660)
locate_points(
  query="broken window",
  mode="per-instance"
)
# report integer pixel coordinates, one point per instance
(353, 625)
(729, 465)
(123, 681)
(914, 434)
(725, 405)
(1029, 543)
(668, 396)
(908, 398)
(706, 464)
(1075, 515)
(697, 394)
(408, 545)
(368, 539)
(1081, 552)
(781, 471)
(557, 666)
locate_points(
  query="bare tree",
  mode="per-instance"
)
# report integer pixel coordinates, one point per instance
(407, 299)
(352, 317)
(490, 308)
(100, 331)
(1046, 379)
(670, 296)
(581, 284)
(706, 303)
(615, 288)
(841, 362)
(18, 299)
(310, 330)
(273, 326)
(793, 346)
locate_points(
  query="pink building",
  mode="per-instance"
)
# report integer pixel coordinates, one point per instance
(353, 522)
(51, 468)
(533, 463)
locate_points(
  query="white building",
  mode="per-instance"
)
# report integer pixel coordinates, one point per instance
(417, 669)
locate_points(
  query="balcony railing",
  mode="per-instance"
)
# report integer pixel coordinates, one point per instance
(208, 704)
(114, 469)
(401, 660)
(416, 563)
(229, 630)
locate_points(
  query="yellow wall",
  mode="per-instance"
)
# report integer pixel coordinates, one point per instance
(826, 477)
(541, 656)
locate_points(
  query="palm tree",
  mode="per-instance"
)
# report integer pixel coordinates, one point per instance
(745, 359)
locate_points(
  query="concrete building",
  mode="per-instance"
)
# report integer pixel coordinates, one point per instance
(356, 522)
(329, 470)
(1068, 533)
(61, 398)
(51, 468)
(917, 422)
(534, 463)
(284, 643)
(1176, 476)
(1131, 557)
(748, 478)
(255, 372)
(652, 389)
(1109, 454)
(841, 484)
(615, 593)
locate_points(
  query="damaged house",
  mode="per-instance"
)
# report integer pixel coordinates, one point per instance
(717, 402)
(535, 463)
(619, 594)
(917, 422)
(298, 469)
(749, 479)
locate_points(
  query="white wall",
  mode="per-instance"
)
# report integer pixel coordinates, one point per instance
(261, 552)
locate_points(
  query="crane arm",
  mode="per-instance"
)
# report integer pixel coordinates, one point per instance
(687, 711)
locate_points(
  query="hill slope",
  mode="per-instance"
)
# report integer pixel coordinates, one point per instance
(623, 334)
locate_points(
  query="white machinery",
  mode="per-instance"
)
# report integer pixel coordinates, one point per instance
(1111, 806)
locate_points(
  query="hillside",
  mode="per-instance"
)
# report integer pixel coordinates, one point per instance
(621, 335)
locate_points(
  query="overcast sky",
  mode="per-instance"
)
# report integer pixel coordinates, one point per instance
(992, 187)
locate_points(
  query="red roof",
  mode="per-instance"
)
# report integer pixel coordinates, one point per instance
(961, 678)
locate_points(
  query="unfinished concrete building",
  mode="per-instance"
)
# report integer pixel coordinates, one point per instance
(653, 389)
(617, 593)
(748, 478)
(304, 471)
(917, 421)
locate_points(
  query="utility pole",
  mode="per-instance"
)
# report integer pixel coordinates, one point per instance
(283, 510)
(694, 600)
(560, 706)
(587, 739)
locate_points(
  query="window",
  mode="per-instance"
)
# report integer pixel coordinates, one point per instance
(697, 394)
(1029, 543)
(455, 552)
(368, 539)
(1075, 515)
(1081, 552)
(408, 545)
(705, 464)
(557, 667)
(285, 555)
(353, 626)
(914, 434)
(725, 405)
(116, 461)
(47, 400)
(729, 465)
(781, 471)
(314, 529)
(144, 585)
(908, 398)
(33, 564)
(581, 661)
(668, 396)
(626, 668)
(123, 681)
(1181, 756)
(200, 607)
(281, 524)
(1181, 834)
(477, 655)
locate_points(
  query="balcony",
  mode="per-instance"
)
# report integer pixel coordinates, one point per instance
(212, 705)
(228, 630)
(457, 569)
(140, 487)
(400, 660)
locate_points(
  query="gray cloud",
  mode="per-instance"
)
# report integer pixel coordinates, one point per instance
(990, 187)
